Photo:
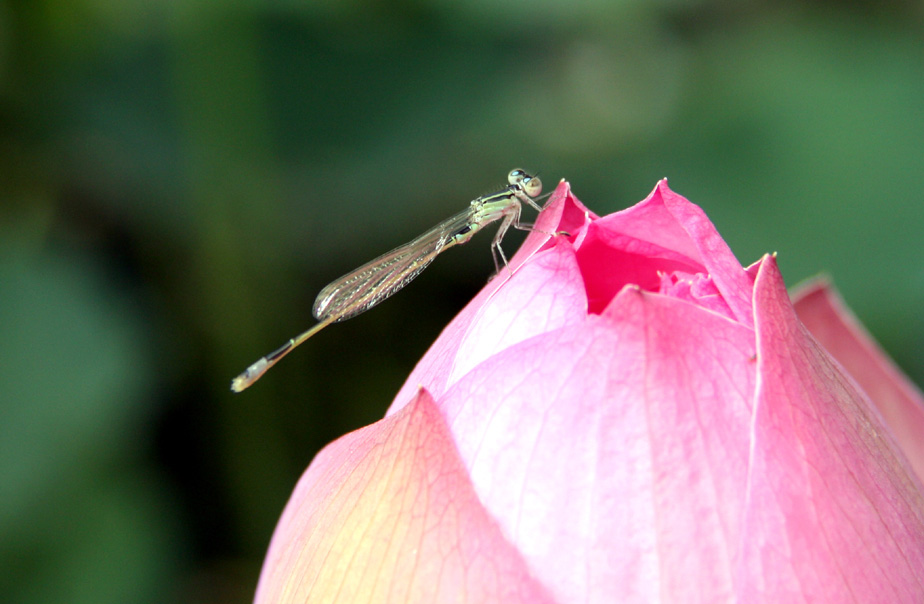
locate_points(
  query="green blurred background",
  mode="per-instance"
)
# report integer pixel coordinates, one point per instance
(179, 179)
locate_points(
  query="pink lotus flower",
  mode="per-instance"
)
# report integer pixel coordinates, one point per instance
(631, 417)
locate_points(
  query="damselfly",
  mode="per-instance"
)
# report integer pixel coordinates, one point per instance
(373, 282)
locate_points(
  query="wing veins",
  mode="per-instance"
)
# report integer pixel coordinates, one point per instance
(379, 279)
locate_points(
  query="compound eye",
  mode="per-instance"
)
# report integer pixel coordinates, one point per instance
(517, 176)
(533, 186)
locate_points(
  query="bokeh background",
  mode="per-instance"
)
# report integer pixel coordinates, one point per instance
(178, 180)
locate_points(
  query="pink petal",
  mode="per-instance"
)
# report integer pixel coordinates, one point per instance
(611, 450)
(731, 280)
(699, 289)
(834, 514)
(900, 402)
(544, 295)
(388, 514)
(663, 234)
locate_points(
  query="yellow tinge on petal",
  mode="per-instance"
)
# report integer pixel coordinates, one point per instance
(388, 514)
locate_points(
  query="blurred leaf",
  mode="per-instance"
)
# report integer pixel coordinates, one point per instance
(75, 519)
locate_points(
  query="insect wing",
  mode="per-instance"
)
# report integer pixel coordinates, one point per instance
(377, 280)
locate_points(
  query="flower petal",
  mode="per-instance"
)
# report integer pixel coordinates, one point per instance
(834, 513)
(544, 295)
(821, 309)
(661, 235)
(388, 514)
(732, 281)
(611, 450)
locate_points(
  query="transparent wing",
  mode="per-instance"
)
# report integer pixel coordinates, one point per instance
(377, 280)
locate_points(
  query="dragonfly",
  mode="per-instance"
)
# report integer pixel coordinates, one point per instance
(379, 279)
